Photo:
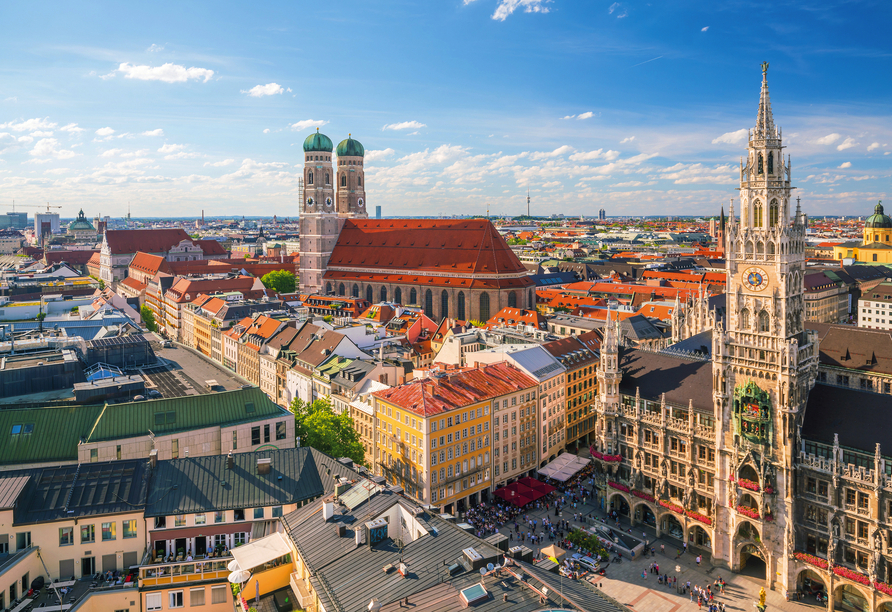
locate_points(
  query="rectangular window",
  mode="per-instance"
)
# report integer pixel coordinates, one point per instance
(201, 519)
(196, 597)
(175, 599)
(219, 517)
(66, 536)
(175, 449)
(94, 455)
(266, 434)
(108, 531)
(129, 528)
(218, 594)
(88, 533)
(281, 430)
(255, 436)
(258, 513)
(179, 521)
(277, 511)
(234, 440)
(154, 601)
(118, 452)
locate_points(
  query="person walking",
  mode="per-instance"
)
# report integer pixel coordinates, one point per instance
(662, 549)
(698, 560)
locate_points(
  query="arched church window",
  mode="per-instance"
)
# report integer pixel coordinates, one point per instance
(355, 290)
(429, 303)
(531, 301)
(760, 248)
(383, 294)
(359, 181)
(764, 321)
(512, 299)
(761, 169)
(773, 213)
(770, 248)
(369, 296)
(770, 163)
(461, 306)
(341, 289)
(757, 215)
(309, 178)
(744, 319)
(484, 307)
(444, 304)
(398, 295)
(327, 288)
(343, 180)
(327, 179)
(413, 297)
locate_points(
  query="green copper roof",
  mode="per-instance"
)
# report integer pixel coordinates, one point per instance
(318, 142)
(350, 148)
(81, 223)
(38, 435)
(878, 219)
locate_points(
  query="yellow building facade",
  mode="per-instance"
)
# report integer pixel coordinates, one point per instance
(877, 244)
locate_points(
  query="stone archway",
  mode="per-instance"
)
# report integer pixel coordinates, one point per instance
(620, 503)
(851, 598)
(884, 606)
(750, 559)
(671, 526)
(810, 583)
(645, 513)
(698, 536)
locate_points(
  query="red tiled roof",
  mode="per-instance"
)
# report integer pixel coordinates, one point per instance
(456, 280)
(515, 316)
(187, 289)
(430, 396)
(210, 247)
(75, 258)
(150, 264)
(145, 240)
(133, 284)
(95, 260)
(457, 246)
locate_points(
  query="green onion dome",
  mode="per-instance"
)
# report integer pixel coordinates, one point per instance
(317, 142)
(878, 219)
(350, 148)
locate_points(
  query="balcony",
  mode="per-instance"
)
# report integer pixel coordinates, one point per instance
(306, 600)
(182, 573)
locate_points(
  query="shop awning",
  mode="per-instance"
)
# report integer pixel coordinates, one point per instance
(564, 467)
(258, 552)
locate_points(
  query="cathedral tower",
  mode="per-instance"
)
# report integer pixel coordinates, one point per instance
(351, 180)
(319, 217)
(765, 362)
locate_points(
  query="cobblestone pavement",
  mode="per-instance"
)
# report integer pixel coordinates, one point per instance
(623, 581)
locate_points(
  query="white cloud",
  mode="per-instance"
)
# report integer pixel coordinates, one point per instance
(848, 143)
(692, 174)
(590, 155)
(182, 155)
(627, 139)
(41, 134)
(307, 123)
(171, 148)
(111, 152)
(49, 147)
(704, 29)
(158, 132)
(29, 125)
(258, 91)
(507, 7)
(266, 131)
(72, 128)
(617, 8)
(587, 115)
(873, 146)
(731, 137)
(219, 164)
(106, 131)
(405, 125)
(379, 154)
(845, 165)
(169, 73)
(569, 117)
(828, 139)
(139, 153)
(562, 150)
(155, 48)
(26, 139)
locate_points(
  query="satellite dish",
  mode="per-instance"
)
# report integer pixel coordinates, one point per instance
(483, 571)
(490, 567)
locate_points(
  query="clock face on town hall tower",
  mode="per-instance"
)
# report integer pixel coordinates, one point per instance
(755, 279)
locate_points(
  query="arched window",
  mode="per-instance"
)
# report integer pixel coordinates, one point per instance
(760, 248)
(770, 248)
(355, 291)
(770, 163)
(512, 299)
(369, 296)
(341, 289)
(413, 297)
(461, 306)
(327, 179)
(398, 295)
(343, 180)
(757, 215)
(773, 210)
(484, 307)
(761, 169)
(429, 303)
(310, 178)
(444, 304)
(359, 181)
(764, 321)
(532, 300)
(744, 319)
(327, 288)
(383, 294)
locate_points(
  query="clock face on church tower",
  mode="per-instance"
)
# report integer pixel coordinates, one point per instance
(755, 279)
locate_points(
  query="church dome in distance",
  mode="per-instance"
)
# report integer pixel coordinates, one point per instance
(317, 142)
(350, 148)
(878, 218)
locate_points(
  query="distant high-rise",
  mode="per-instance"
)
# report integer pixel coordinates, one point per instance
(528, 202)
(602, 215)
(45, 218)
(377, 212)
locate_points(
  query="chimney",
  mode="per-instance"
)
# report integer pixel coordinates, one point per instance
(230, 461)
(153, 458)
(327, 510)
(264, 466)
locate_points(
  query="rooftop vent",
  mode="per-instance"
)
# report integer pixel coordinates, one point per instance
(327, 510)
(264, 466)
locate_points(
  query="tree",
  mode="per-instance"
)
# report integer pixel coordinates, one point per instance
(318, 426)
(148, 317)
(280, 281)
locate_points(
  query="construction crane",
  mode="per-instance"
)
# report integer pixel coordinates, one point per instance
(48, 206)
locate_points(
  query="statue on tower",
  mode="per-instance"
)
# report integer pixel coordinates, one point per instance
(764, 67)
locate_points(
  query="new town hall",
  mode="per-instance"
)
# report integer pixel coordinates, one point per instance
(759, 437)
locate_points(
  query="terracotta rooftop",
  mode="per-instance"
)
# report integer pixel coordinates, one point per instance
(187, 289)
(517, 316)
(855, 348)
(150, 264)
(145, 240)
(75, 258)
(454, 390)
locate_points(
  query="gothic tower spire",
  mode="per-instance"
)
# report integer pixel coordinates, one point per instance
(764, 120)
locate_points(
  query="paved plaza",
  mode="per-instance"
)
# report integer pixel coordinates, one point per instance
(624, 583)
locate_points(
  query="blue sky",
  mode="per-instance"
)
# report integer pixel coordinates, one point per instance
(637, 107)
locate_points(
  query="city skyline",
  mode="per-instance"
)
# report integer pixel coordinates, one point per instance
(638, 109)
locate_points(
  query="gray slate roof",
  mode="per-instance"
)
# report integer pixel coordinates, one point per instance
(845, 411)
(681, 379)
(204, 484)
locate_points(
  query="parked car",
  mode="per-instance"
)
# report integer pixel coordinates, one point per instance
(167, 344)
